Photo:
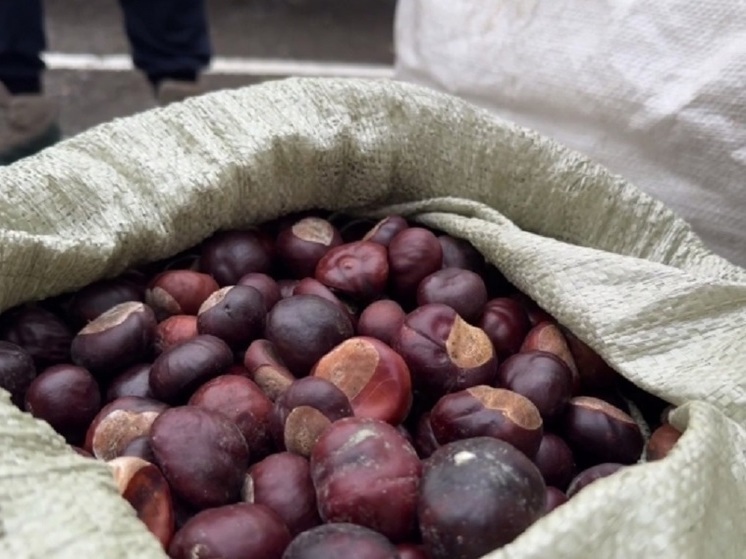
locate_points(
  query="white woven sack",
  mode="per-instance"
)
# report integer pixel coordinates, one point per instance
(655, 91)
(609, 262)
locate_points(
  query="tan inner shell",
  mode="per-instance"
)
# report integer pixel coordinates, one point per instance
(314, 230)
(271, 381)
(113, 317)
(467, 345)
(124, 468)
(118, 429)
(519, 409)
(349, 366)
(592, 403)
(303, 427)
(214, 298)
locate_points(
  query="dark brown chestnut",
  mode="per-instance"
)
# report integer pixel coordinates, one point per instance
(592, 474)
(235, 314)
(386, 229)
(202, 454)
(411, 551)
(67, 397)
(301, 246)
(459, 253)
(555, 461)
(338, 540)
(536, 315)
(661, 441)
(506, 323)
(287, 287)
(174, 330)
(40, 332)
(303, 328)
(477, 495)
(283, 483)
(365, 472)
(236, 531)
(595, 374)
(381, 319)
(372, 375)
(444, 353)
(178, 371)
(229, 255)
(541, 377)
(424, 441)
(179, 292)
(555, 498)
(266, 368)
(546, 336)
(414, 254)
(17, 371)
(312, 286)
(243, 402)
(359, 270)
(135, 381)
(599, 432)
(117, 339)
(486, 411)
(265, 285)
(95, 299)
(139, 447)
(462, 290)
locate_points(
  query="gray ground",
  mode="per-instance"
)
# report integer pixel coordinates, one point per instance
(327, 30)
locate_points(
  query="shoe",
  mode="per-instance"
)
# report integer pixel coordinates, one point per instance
(28, 124)
(174, 91)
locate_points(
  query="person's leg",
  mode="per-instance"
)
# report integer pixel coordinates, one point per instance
(170, 39)
(22, 41)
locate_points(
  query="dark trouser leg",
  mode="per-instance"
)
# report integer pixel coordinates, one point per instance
(170, 39)
(22, 41)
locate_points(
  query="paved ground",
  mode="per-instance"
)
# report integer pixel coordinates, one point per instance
(349, 31)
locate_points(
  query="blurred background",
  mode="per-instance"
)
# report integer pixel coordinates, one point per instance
(254, 40)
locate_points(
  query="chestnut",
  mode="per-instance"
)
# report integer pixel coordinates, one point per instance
(139, 447)
(477, 495)
(287, 287)
(661, 441)
(236, 531)
(359, 270)
(462, 290)
(243, 402)
(283, 483)
(67, 397)
(179, 292)
(235, 314)
(178, 371)
(555, 461)
(444, 353)
(17, 371)
(303, 328)
(353, 229)
(594, 373)
(311, 286)
(117, 339)
(506, 324)
(459, 253)
(304, 410)
(365, 472)
(266, 368)
(386, 229)
(536, 315)
(229, 255)
(414, 254)
(118, 423)
(589, 475)
(599, 432)
(541, 377)
(411, 551)
(486, 411)
(372, 375)
(381, 319)
(143, 486)
(95, 299)
(555, 497)
(546, 336)
(40, 333)
(340, 539)
(424, 441)
(301, 246)
(135, 381)
(174, 330)
(265, 285)
(202, 454)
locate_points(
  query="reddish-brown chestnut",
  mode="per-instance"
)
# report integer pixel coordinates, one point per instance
(444, 353)
(462, 290)
(265, 285)
(242, 402)
(414, 254)
(143, 486)
(599, 432)
(236, 531)
(179, 292)
(40, 332)
(372, 375)
(491, 412)
(506, 324)
(381, 319)
(595, 374)
(555, 461)
(359, 270)
(338, 540)
(365, 472)
(266, 368)
(174, 330)
(235, 314)
(411, 551)
(301, 246)
(135, 381)
(589, 475)
(229, 255)
(386, 229)
(283, 483)
(477, 495)
(202, 454)
(117, 339)
(17, 371)
(546, 336)
(661, 441)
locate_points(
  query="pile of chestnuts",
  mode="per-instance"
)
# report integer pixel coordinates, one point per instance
(320, 386)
